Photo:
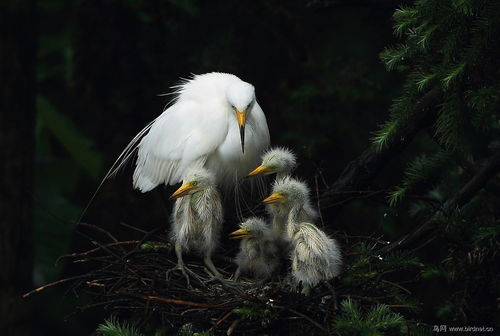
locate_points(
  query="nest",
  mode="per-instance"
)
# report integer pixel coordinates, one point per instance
(129, 278)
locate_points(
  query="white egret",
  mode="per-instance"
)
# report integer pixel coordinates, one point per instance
(214, 122)
(315, 257)
(281, 161)
(258, 252)
(197, 217)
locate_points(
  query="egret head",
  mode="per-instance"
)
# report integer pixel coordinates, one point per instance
(195, 180)
(276, 160)
(251, 228)
(241, 98)
(288, 192)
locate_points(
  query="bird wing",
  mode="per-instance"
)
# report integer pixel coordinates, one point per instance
(181, 137)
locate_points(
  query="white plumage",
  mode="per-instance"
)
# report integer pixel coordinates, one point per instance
(197, 216)
(281, 161)
(314, 256)
(212, 115)
(258, 252)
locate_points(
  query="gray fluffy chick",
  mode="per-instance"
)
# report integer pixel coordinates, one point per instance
(258, 254)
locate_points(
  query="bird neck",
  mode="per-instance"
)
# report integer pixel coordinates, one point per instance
(293, 219)
(281, 175)
(202, 202)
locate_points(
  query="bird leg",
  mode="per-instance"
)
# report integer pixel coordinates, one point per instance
(211, 267)
(181, 267)
(236, 275)
(216, 276)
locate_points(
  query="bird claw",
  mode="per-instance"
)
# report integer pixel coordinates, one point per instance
(185, 270)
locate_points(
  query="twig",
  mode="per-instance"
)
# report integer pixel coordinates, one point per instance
(360, 172)
(132, 227)
(41, 288)
(182, 302)
(316, 324)
(95, 227)
(396, 285)
(231, 328)
(456, 201)
(81, 254)
(317, 201)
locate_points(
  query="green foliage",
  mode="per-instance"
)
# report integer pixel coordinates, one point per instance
(447, 44)
(155, 246)
(374, 322)
(254, 312)
(187, 330)
(419, 171)
(367, 266)
(113, 327)
(394, 56)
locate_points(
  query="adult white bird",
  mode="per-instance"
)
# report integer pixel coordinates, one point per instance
(314, 256)
(281, 161)
(197, 217)
(258, 252)
(214, 122)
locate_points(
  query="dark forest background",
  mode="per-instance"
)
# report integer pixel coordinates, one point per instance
(80, 78)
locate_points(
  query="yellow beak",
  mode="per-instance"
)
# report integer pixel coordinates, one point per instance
(184, 190)
(242, 119)
(274, 198)
(261, 170)
(240, 234)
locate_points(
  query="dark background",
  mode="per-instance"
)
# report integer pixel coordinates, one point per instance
(100, 68)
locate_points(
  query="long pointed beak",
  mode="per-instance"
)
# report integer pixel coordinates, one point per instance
(274, 198)
(261, 170)
(240, 234)
(184, 190)
(242, 119)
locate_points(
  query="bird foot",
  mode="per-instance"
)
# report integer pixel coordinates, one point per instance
(187, 273)
(235, 277)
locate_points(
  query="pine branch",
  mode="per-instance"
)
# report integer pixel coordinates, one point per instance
(359, 172)
(464, 195)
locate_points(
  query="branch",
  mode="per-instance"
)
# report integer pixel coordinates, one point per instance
(462, 197)
(359, 173)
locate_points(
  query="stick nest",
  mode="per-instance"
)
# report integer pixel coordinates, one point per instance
(129, 278)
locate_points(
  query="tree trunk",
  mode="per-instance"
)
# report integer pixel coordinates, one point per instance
(17, 116)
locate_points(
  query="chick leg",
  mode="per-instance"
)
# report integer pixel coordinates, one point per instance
(181, 267)
(211, 267)
(236, 275)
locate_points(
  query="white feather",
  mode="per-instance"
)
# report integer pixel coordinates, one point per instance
(199, 129)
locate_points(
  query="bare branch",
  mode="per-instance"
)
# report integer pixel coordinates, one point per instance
(359, 173)
(462, 197)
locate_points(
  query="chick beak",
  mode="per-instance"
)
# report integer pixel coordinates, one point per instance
(242, 118)
(184, 190)
(274, 198)
(261, 170)
(240, 234)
